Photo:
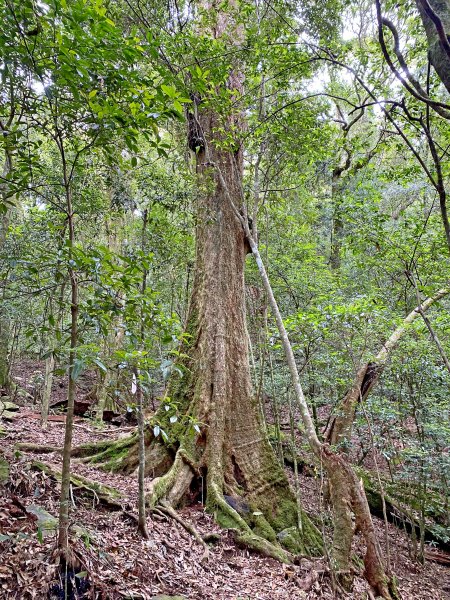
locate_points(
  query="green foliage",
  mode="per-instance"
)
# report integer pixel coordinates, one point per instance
(92, 106)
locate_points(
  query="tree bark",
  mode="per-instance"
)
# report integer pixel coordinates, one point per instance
(5, 328)
(435, 15)
(63, 525)
(142, 515)
(47, 391)
(347, 493)
(219, 436)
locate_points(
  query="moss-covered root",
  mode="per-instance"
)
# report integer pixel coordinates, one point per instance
(229, 518)
(296, 532)
(109, 455)
(36, 448)
(173, 485)
(101, 492)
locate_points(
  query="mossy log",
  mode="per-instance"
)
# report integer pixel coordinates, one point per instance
(4, 470)
(402, 508)
(8, 410)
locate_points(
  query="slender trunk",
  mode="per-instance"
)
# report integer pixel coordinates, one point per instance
(142, 523)
(308, 424)
(5, 333)
(142, 518)
(347, 493)
(46, 395)
(101, 393)
(337, 227)
(108, 380)
(427, 322)
(5, 326)
(435, 15)
(50, 363)
(63, 527)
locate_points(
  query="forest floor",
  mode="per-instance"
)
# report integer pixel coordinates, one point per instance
(120, 564)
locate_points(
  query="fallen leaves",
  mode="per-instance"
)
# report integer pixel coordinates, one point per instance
(122, 565)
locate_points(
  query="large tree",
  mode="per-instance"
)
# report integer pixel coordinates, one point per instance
(219, 436)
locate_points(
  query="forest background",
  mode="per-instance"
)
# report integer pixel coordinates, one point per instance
(147, 149)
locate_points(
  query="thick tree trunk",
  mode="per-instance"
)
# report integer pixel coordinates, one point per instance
(219, 437)
(245, 485)
(435, 15)
(232, 451)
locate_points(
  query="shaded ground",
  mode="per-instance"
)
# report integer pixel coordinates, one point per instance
(120, 564)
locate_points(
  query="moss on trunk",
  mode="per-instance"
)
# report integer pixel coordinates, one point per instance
(218, 444)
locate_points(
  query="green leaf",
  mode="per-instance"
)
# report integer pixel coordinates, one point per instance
(77, 369)
(81, 574)
(99, 364)
(169, 90)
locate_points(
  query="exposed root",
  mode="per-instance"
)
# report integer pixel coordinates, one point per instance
(107, 455)
(244, 534)
(102, 493)
(169, 489)
(171, 482)
(37, 448)
(171, 486)
(166, 508)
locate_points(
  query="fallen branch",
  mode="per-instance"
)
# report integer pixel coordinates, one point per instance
(438, 557)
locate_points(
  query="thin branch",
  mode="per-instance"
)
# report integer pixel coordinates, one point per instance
(416, 90)
(427, 322)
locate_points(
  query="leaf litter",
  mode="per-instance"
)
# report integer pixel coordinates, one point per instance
(120, 564)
